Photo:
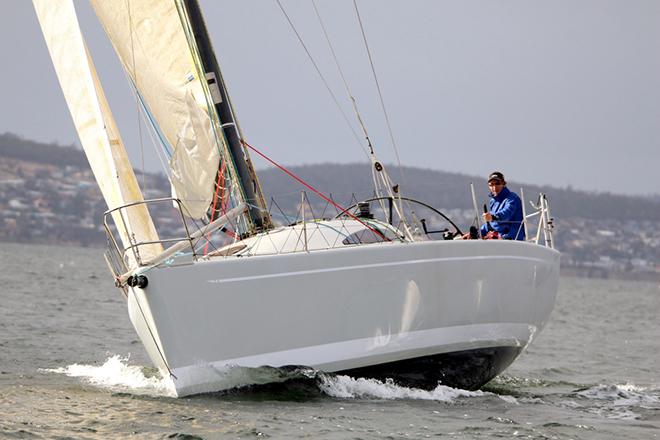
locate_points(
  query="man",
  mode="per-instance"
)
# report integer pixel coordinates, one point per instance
(504, 214)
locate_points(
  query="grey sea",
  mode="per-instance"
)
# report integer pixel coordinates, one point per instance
(72, 367)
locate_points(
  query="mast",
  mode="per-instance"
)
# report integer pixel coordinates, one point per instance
(247, 177)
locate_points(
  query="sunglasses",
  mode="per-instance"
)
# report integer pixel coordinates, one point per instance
(495, 182)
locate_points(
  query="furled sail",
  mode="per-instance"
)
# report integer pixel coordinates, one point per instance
(150, 40)
(96, 127)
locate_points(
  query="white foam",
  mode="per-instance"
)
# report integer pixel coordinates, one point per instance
(347, 388)
(621, 395)
(619, 401)
(117, 375)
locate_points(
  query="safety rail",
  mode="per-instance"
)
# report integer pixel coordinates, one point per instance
(541, 208)
(545, 223)
(117, 256)
(125, 260)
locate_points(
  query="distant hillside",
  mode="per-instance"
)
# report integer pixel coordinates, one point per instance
(442, 189)
(446, 190)
(15, 147)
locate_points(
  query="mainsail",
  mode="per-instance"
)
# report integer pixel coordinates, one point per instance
(154, 50)
(95, 124)
(257, 218)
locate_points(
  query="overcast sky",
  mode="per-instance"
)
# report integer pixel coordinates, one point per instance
(558, 92)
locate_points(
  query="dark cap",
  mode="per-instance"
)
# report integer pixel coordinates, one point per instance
(496, 175)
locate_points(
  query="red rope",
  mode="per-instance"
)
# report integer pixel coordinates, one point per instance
(311, 188)
(223, 199)
(215, 201)
(219, 187)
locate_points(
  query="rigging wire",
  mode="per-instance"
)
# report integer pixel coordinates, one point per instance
(164, 153)
(343, 78)
(146, 115)
(160, 153)
(380, 94)
(236, 191)
(325, 82)
(372, 157)
(387, 118)
(137, 103)
(380, 178)
(314, 190)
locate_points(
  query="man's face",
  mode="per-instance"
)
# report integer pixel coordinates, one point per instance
(495, 186)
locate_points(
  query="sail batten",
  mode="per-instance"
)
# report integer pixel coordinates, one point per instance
(95, 124)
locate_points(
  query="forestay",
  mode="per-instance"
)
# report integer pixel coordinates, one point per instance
(95, 124)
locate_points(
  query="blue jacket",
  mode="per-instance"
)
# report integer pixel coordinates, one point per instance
(507, 209)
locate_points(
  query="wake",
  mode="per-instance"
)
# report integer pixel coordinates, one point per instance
(116, 374)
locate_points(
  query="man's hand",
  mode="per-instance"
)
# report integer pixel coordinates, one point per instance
(488, 217)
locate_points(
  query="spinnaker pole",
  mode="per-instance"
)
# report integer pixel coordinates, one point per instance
(257, 209)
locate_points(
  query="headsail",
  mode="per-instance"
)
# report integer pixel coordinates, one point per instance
(150, 41)
(95, 125)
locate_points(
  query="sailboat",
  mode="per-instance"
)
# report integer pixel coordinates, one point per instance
(350, 294)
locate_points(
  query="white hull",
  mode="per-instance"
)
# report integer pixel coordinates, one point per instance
(318, 293)
(343, 308)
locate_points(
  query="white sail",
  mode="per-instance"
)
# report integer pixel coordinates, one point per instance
(149, 38)
(95, 125)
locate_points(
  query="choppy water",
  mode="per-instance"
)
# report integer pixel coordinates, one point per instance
(72, 367)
